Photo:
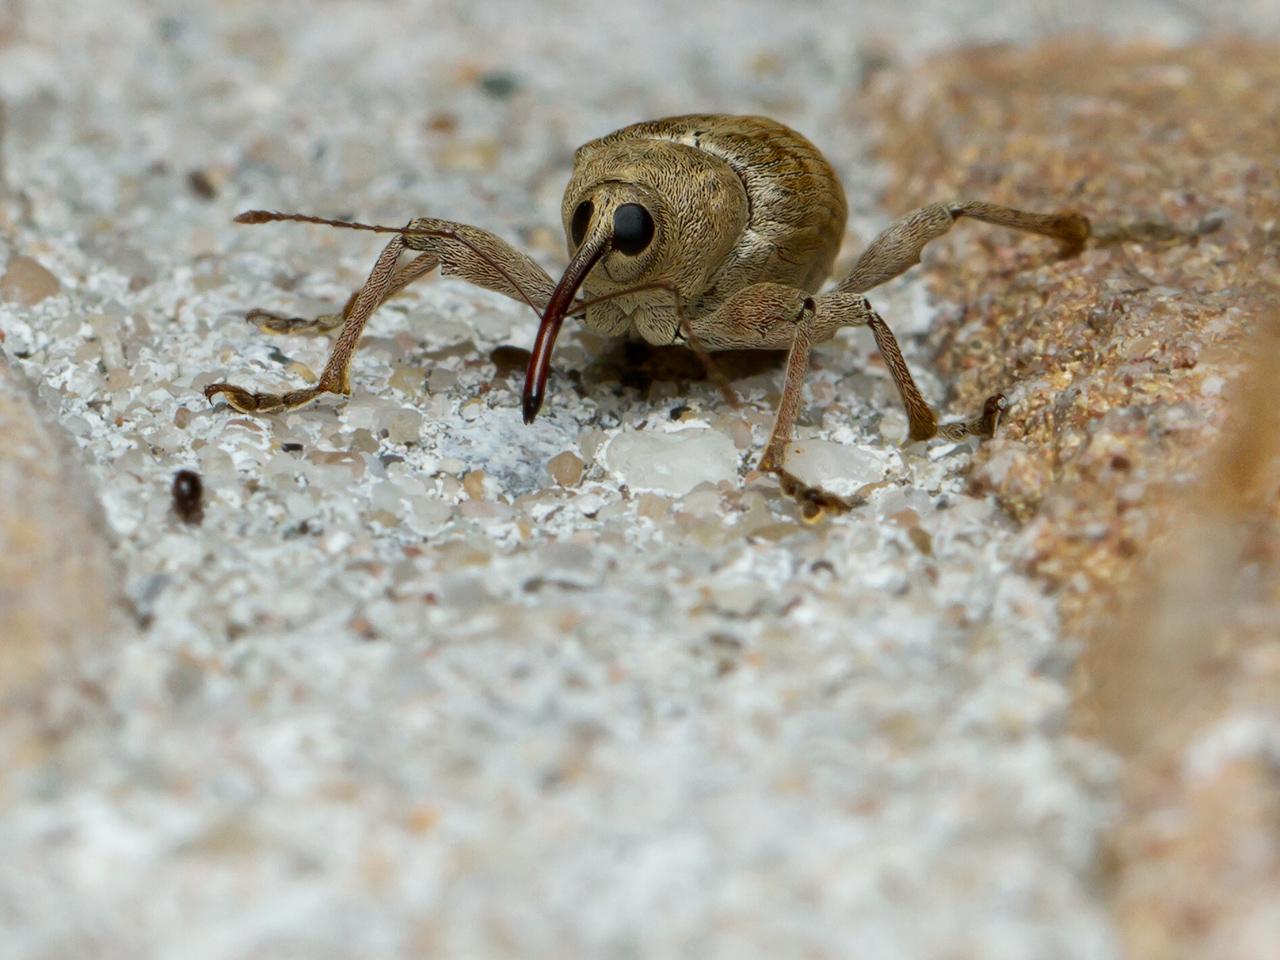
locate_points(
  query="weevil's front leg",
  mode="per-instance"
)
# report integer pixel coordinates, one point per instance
(460, 250)
(482, 258)
(334, 378)
(405, 274)
(898, 248)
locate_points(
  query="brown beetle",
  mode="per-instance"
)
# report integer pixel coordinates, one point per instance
(712, 231)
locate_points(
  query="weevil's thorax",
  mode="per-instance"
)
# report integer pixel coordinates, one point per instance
(735, 201)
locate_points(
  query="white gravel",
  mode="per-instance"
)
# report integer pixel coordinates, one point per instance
(400, 695)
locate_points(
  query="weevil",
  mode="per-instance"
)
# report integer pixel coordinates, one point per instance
(716, 232)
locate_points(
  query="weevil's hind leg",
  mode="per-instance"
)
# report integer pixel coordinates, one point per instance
(898, 248)
(278, 323)
(922, 422)
(334, 379)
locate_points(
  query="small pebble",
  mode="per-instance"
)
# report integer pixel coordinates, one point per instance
(922, 540)
(405, 427)
(652, 506)
(499, 84)
(476, 156)
(672, 463)
(407, 380)
(565, 469)
(473, 484)
(204, 183)
(838, 468)
(27, 282)
(509, 360)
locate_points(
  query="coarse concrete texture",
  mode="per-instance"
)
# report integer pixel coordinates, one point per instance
(427, 682)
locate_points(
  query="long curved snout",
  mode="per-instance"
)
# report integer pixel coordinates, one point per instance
(535, 381)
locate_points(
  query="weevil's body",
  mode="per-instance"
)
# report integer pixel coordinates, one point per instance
(715, 231)
(736, 201)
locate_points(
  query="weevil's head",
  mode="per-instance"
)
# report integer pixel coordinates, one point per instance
(639, 213)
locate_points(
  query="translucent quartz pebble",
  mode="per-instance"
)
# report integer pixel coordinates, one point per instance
(838, 468)
(673, 462)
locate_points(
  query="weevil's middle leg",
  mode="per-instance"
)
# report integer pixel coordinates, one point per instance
(769, 316)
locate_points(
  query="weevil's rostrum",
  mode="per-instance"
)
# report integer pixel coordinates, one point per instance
(714, 231)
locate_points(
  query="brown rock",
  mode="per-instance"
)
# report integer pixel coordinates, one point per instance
(473, 484)
(1185, 683)
(52, 550)
(1115, 361)
(565, 469)
(27, 282)
(1108, 356)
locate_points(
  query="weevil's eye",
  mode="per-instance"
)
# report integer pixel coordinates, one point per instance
(581, 217)
(632, 229)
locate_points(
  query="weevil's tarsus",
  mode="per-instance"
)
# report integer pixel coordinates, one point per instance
(278, 323)
(1150, 232)
(815, 503)
(983, 426)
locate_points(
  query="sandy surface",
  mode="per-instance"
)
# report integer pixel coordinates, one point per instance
(401, 694)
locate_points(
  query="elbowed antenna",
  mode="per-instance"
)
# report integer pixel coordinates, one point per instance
(448, 232)
(535, 380)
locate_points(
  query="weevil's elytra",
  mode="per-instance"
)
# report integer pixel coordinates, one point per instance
(710, 230)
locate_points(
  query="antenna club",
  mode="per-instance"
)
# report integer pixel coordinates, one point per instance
(256, 216)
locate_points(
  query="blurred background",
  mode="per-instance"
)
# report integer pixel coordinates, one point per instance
(407, 694)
